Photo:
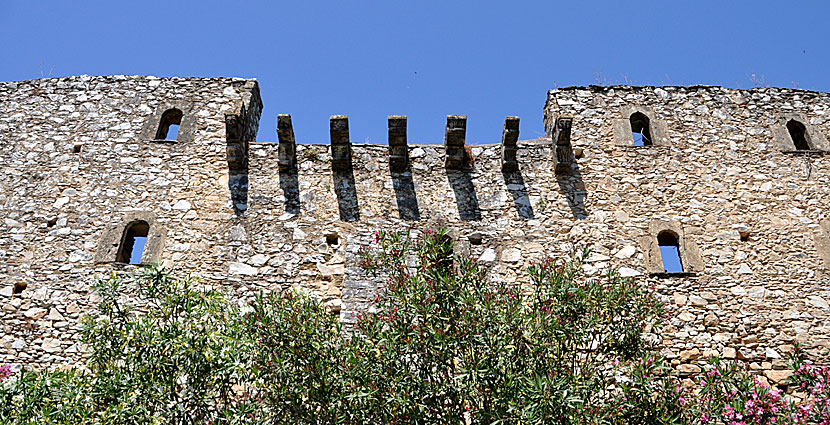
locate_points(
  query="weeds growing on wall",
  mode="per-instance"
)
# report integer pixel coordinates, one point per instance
(446, 344)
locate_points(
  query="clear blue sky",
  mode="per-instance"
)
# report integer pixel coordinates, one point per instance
(425, 59)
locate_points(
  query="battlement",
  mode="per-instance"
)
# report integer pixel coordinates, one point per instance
(733, 183)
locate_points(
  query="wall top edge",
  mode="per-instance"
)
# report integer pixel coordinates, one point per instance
(602, 89)
(121, 77)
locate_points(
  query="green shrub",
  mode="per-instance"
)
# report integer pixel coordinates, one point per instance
(171, 357)
(448, 343)
(445, 344)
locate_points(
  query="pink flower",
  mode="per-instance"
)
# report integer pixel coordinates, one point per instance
(5, 372)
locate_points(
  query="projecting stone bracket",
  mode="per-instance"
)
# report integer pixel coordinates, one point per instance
(454, 140)
(149, 132)
(623, 136)
(236, 147)
(341, 147)
(509, 144)
(287, 145)
(562, 149)
(688, 250)
(114, 236)
(398, 150)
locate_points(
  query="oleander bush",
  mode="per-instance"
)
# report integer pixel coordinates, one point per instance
(445, 344)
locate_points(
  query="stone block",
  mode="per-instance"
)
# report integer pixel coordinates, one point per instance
(287, 146)
(509, 147)
(398, 149)
(341, 146)
(454, 141)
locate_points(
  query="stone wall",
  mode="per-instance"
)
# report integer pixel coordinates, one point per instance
(722, 174)
(79, 163)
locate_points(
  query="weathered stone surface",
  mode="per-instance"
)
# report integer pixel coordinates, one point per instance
(511, 255)
(817, 302)
(54, 314)
(687, 368)
(777, 376)
(234, 217)
(242, 268)
(629, 272)
(692, 354)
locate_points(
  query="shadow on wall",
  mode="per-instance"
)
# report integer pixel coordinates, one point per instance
(516, 186)
(344, 188)
(405, 195)
(290, 189)
(465, 194)
(238, 186)
(573, 187)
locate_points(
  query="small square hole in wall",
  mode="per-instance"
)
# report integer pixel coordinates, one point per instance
(475, 238)
(77, 148)
(52, 222)
(19, 287)
(744, 236)
(332, 239)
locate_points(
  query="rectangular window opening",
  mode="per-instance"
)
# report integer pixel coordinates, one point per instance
(138, 249)
(671, 258)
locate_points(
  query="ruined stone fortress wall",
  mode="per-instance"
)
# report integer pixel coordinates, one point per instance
(723, 175)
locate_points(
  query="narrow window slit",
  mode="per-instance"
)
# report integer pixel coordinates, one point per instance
(171, 121)
(172, 132)
(670, 251)
(640, 129)
(132, 245)
(799, 135)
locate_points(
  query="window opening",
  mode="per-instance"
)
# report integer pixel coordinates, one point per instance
(132, 246)
(76, 148)
(799, 135)
(171, 120)
(640, 129)
(172, 132)
(670, 252)
(332, 239)
(19, 287)
(744, 236)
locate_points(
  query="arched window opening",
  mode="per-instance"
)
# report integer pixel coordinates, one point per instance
(171, 120)
(799, 135)
(133, 242)
(640, 129)
(670, 251)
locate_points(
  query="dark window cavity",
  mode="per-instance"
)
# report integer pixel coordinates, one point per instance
(169, 125)
(640, 129)
(670, 251)
(132, 244)
(799, 135)
(332, 239)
